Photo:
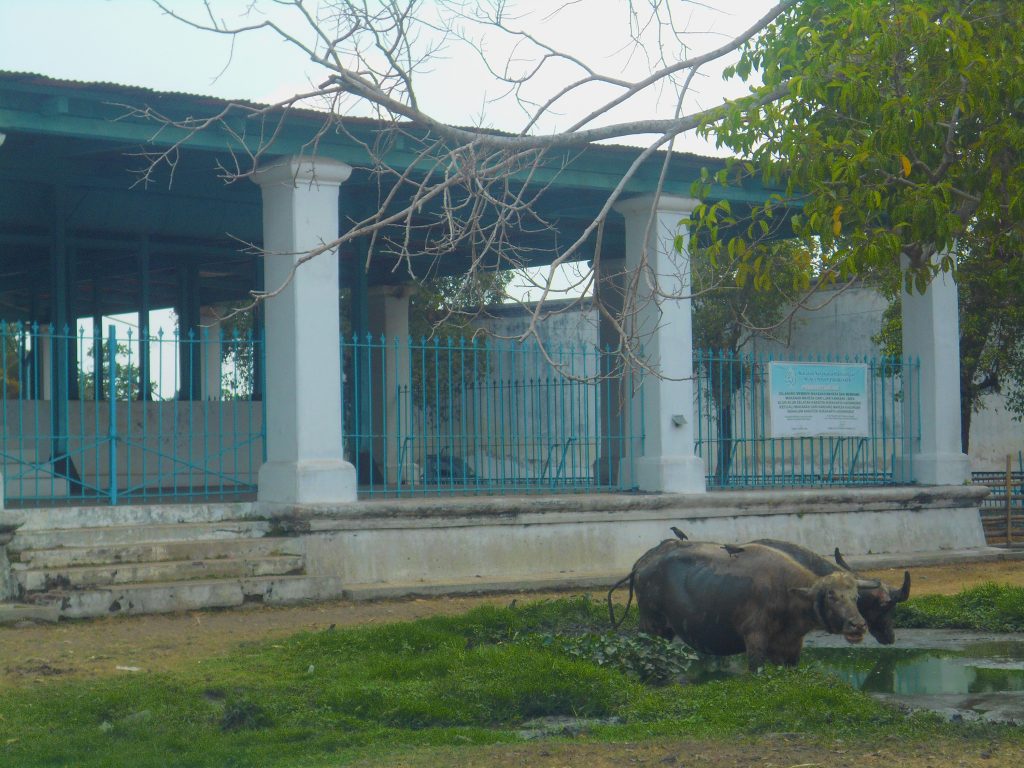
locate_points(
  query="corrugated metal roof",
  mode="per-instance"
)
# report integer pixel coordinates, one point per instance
(35, 80)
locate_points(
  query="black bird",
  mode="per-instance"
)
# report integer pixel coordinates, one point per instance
(731, 549)
(679, 534)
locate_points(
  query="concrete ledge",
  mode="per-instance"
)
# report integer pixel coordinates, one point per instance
(53, 518)
(476, 541)
(602, 581)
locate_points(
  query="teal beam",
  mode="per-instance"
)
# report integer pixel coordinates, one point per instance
(59, 319)
(145, 379)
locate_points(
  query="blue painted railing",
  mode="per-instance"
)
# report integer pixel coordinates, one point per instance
(441, 416)
(734, 433)
(139, 417)
(128, 417)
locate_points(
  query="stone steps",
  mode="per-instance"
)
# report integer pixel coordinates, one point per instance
(80, 577)
(169, 597)
(143, 561)
(118, 535)
(150, 551)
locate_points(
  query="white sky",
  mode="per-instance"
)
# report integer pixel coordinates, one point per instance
(132, 42)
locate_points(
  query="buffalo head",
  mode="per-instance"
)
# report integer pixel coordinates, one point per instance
(878, 605)
(834, 598)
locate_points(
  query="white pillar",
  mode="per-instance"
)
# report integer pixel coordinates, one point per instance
(210, 338)
(931, 332)
(388, 316)
(303, 373)
(659, 317)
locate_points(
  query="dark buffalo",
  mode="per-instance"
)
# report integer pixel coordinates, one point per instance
(875, 605)
(758, 600)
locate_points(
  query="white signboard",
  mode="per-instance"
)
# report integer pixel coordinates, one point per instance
(819, 399)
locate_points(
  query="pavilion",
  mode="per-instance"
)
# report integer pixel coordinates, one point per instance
(82, 235)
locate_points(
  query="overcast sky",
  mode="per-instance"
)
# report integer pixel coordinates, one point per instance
(132, 42)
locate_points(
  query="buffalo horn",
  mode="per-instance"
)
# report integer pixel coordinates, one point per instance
(840, 561)
(900, 595)
(868, 583)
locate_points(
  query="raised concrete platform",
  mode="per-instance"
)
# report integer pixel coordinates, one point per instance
(419, 545)
(382, 549)
(559, 582)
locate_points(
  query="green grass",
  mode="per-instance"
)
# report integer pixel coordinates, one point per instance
(988, 607)
(333, 697)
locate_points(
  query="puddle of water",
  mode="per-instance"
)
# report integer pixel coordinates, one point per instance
(961, 679)
(982, 668)
(988, 667)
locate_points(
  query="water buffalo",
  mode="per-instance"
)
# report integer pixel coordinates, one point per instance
(758, 599)
(875, 605)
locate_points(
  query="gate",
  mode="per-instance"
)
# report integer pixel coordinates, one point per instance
(128, 417)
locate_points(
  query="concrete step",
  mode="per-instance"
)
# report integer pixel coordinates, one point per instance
(148, 552)
(92, 576)
(169, 597)
(16, 613)
(128, 514)
(136, 534)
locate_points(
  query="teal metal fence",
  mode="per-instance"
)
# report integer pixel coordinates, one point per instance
(133, 417)
(128, 416)
(444, 416)
(748, 438)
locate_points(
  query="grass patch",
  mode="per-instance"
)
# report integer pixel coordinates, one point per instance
(332, 697)
(989, 607)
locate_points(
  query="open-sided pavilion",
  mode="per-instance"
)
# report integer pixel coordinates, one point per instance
(83, 235)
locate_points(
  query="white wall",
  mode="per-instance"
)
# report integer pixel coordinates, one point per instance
(839, 323)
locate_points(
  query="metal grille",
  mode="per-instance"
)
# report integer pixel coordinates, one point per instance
(735, 431)
(445, 416)
(127, 417)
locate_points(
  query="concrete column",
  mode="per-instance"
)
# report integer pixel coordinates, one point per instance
(658, 315)
(931, 332)
(613, 404)
(210, 337)
(388, 317)
(303, 378)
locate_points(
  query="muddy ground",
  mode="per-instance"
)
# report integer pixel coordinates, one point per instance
(33, 654)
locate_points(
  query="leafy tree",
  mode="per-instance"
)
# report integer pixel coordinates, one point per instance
(730, 306)
(238, 355)
(991, 285)
(900, 130)
(126, 377)
(10, 339)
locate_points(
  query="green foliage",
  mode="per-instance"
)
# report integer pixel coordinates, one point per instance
(447, 306)
(126, 376)
(238, 354)
(898, 130)
(989, 607)
(11, 343)
(802, 700)
(740, 296)
(646, 658)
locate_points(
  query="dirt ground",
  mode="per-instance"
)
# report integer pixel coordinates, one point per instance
(32, 654)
